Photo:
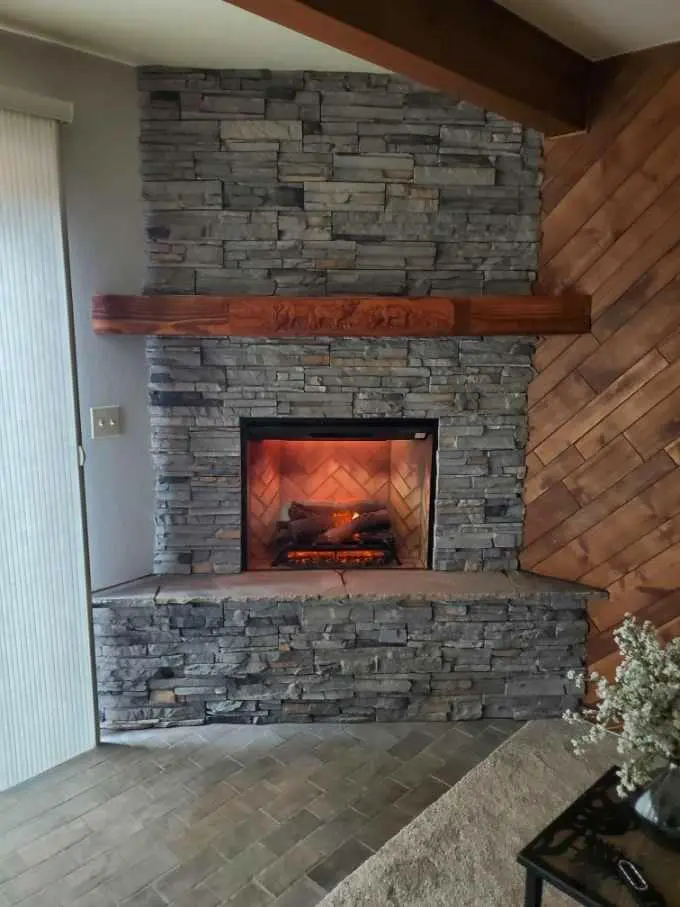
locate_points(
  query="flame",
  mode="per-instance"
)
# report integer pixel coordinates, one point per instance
(342, 517)
(341, 557)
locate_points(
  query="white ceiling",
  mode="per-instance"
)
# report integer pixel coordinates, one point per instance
(603, 28)
(197, 33)
(214, 34)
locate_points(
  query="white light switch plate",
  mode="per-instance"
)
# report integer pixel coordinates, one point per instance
(106, 421)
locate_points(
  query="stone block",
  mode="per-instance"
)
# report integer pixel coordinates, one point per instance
(340, 195)
(132, 673)
(197, 226)
(407, 197)
(364, 98)
(189, 255)
(460, 634)
(299, 167)
(445, 611)
(379, 281)
(537, 686)
(233, 282)
(381, 635)
(520, 708)
(261, 130)
(373, 167)
(194, 134)
(220, 106)
(471, 659)
(460, 175)
(305, 226)
(170, 280)
(465, 708)
(169, 194)
(243, 197)
(395, 255)
(357, 112)
(391, 684)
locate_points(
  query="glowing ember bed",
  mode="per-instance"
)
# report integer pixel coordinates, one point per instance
(359, 534)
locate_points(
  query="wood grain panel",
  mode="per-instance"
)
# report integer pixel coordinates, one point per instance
(556, 408)
(549, 510)
(616, 215)
(618, 161)
(597, 475)
(562, 366)
(582, 520)
(639, 551)
(670, 348)
(626, 83)
(333, 316)
(611, 222)
(661, 385)
(656, 230)
(598, 408)
(659, 427)
(544, 477)
(639, 589)
(617, 530)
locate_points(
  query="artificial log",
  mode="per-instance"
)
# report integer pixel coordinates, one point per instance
(300, 509)
(309, 528)
(365, 522)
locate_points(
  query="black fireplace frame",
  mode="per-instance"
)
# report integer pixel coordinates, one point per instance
(309, 429)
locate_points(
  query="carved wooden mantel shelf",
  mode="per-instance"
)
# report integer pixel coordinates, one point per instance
(351, 316)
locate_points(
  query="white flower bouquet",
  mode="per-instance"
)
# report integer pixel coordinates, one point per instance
(641, 706)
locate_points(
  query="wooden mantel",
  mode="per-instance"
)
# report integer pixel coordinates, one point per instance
(356, 316)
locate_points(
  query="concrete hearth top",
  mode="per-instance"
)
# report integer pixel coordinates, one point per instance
(331, 585)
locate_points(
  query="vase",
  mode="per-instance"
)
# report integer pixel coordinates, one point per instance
(658, 803)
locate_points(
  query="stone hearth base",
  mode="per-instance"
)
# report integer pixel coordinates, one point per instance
(326, 646)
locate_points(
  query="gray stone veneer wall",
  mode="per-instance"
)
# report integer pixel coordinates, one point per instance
(475, 387)
(167, 658)
(331, 184)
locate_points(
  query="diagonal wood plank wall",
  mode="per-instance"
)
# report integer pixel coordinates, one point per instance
(603, 483)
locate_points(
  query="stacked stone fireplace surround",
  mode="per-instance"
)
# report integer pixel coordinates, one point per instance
(335, 184)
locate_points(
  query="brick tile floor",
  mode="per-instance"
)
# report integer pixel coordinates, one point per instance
(221, 815)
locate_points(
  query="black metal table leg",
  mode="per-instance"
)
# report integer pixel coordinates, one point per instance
(533, 893)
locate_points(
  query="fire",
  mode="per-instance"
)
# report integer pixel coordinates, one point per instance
(341, 517)
(341, 557)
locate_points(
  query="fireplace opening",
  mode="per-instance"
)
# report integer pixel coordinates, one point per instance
(337, 493)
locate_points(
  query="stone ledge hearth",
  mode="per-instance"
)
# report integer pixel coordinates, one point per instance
(330, 646)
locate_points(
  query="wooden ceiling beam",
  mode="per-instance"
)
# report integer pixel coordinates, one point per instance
(475, 50)
(361, 316)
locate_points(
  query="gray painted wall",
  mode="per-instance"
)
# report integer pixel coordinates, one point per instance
(104, 224)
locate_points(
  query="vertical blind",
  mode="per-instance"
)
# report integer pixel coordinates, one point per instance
(46, 699)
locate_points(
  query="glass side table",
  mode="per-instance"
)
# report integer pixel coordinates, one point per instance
(587, 851)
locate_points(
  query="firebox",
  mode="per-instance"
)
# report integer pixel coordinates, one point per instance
(337, 493)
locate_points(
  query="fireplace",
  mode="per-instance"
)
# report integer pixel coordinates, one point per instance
(337, 493)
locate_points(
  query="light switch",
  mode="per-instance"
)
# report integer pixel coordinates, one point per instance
(106, 421)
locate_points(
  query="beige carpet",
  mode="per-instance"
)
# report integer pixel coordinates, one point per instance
(461, 852)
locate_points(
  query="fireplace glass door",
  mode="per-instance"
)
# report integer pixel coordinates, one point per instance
(337, 493)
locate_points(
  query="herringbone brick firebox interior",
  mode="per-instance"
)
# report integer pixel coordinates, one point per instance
(322, 498)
